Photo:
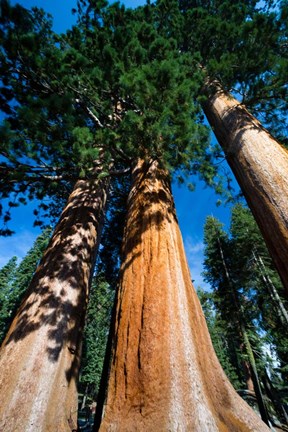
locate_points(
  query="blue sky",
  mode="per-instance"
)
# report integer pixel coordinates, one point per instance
(192, 207)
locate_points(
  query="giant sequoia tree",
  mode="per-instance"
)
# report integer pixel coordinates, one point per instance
(78, 127)
(257, 160)
(134, 363)
(260, 165)
(164, 372)
(46, 333)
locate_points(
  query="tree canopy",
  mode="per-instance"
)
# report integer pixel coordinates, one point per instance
(108, 90)
(121, 77)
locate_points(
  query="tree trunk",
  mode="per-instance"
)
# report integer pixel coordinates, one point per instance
(282, 312)
(259, 395)
(248, 375)
(164, 374)
(244, 336)
(260, 165)
(83, 404)
(276, 400)
(40, 356)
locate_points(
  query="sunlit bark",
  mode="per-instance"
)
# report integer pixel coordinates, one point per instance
(164, 374)
(260, 165)
(39, 359)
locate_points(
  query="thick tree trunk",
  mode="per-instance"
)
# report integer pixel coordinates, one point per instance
(260, 165)
(164, 374)
(39, 359)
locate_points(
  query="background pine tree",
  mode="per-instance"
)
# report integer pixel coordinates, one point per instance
(6, 280)
(252, 290)
(15, 279)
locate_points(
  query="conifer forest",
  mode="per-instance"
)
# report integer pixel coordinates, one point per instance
(101, 328)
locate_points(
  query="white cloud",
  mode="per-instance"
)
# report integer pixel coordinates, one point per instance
(195, 255)
(193, 248)
(16, 245)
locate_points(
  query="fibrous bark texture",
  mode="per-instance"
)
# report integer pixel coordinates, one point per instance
(39, 359)
(164, 374)
(260, 165)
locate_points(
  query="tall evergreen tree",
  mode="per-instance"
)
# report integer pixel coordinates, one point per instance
(107, 115)
(6, 279)
(164, 372)
(259, 164)
(49, 324)
(257, 160)
(96, 334)
(252, 292)
(45, 337)
(260, 281)
(230, 305)
(19, 278)
(99, 117)
(220, 338)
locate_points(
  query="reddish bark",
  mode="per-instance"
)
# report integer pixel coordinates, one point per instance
(248, 376)
(260, 165)
(39, 359)
(164, 373)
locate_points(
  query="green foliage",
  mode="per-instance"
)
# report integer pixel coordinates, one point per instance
(96, 333)
(15, 280)
(32, 133)
(128, 84)
(103, 288)
(123, 90)
(243, 44)
(218, 275)
(110, 254)
(246, 296)
(218, 332)
(6, 279)
(261, 281)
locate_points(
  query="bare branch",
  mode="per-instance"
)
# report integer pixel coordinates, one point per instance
(120, 172)
(90, 113)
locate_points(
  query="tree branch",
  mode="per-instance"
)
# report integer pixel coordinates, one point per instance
(120, 171)
(90, 113)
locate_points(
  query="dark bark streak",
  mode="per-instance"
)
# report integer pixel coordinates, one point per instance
(232, 125)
